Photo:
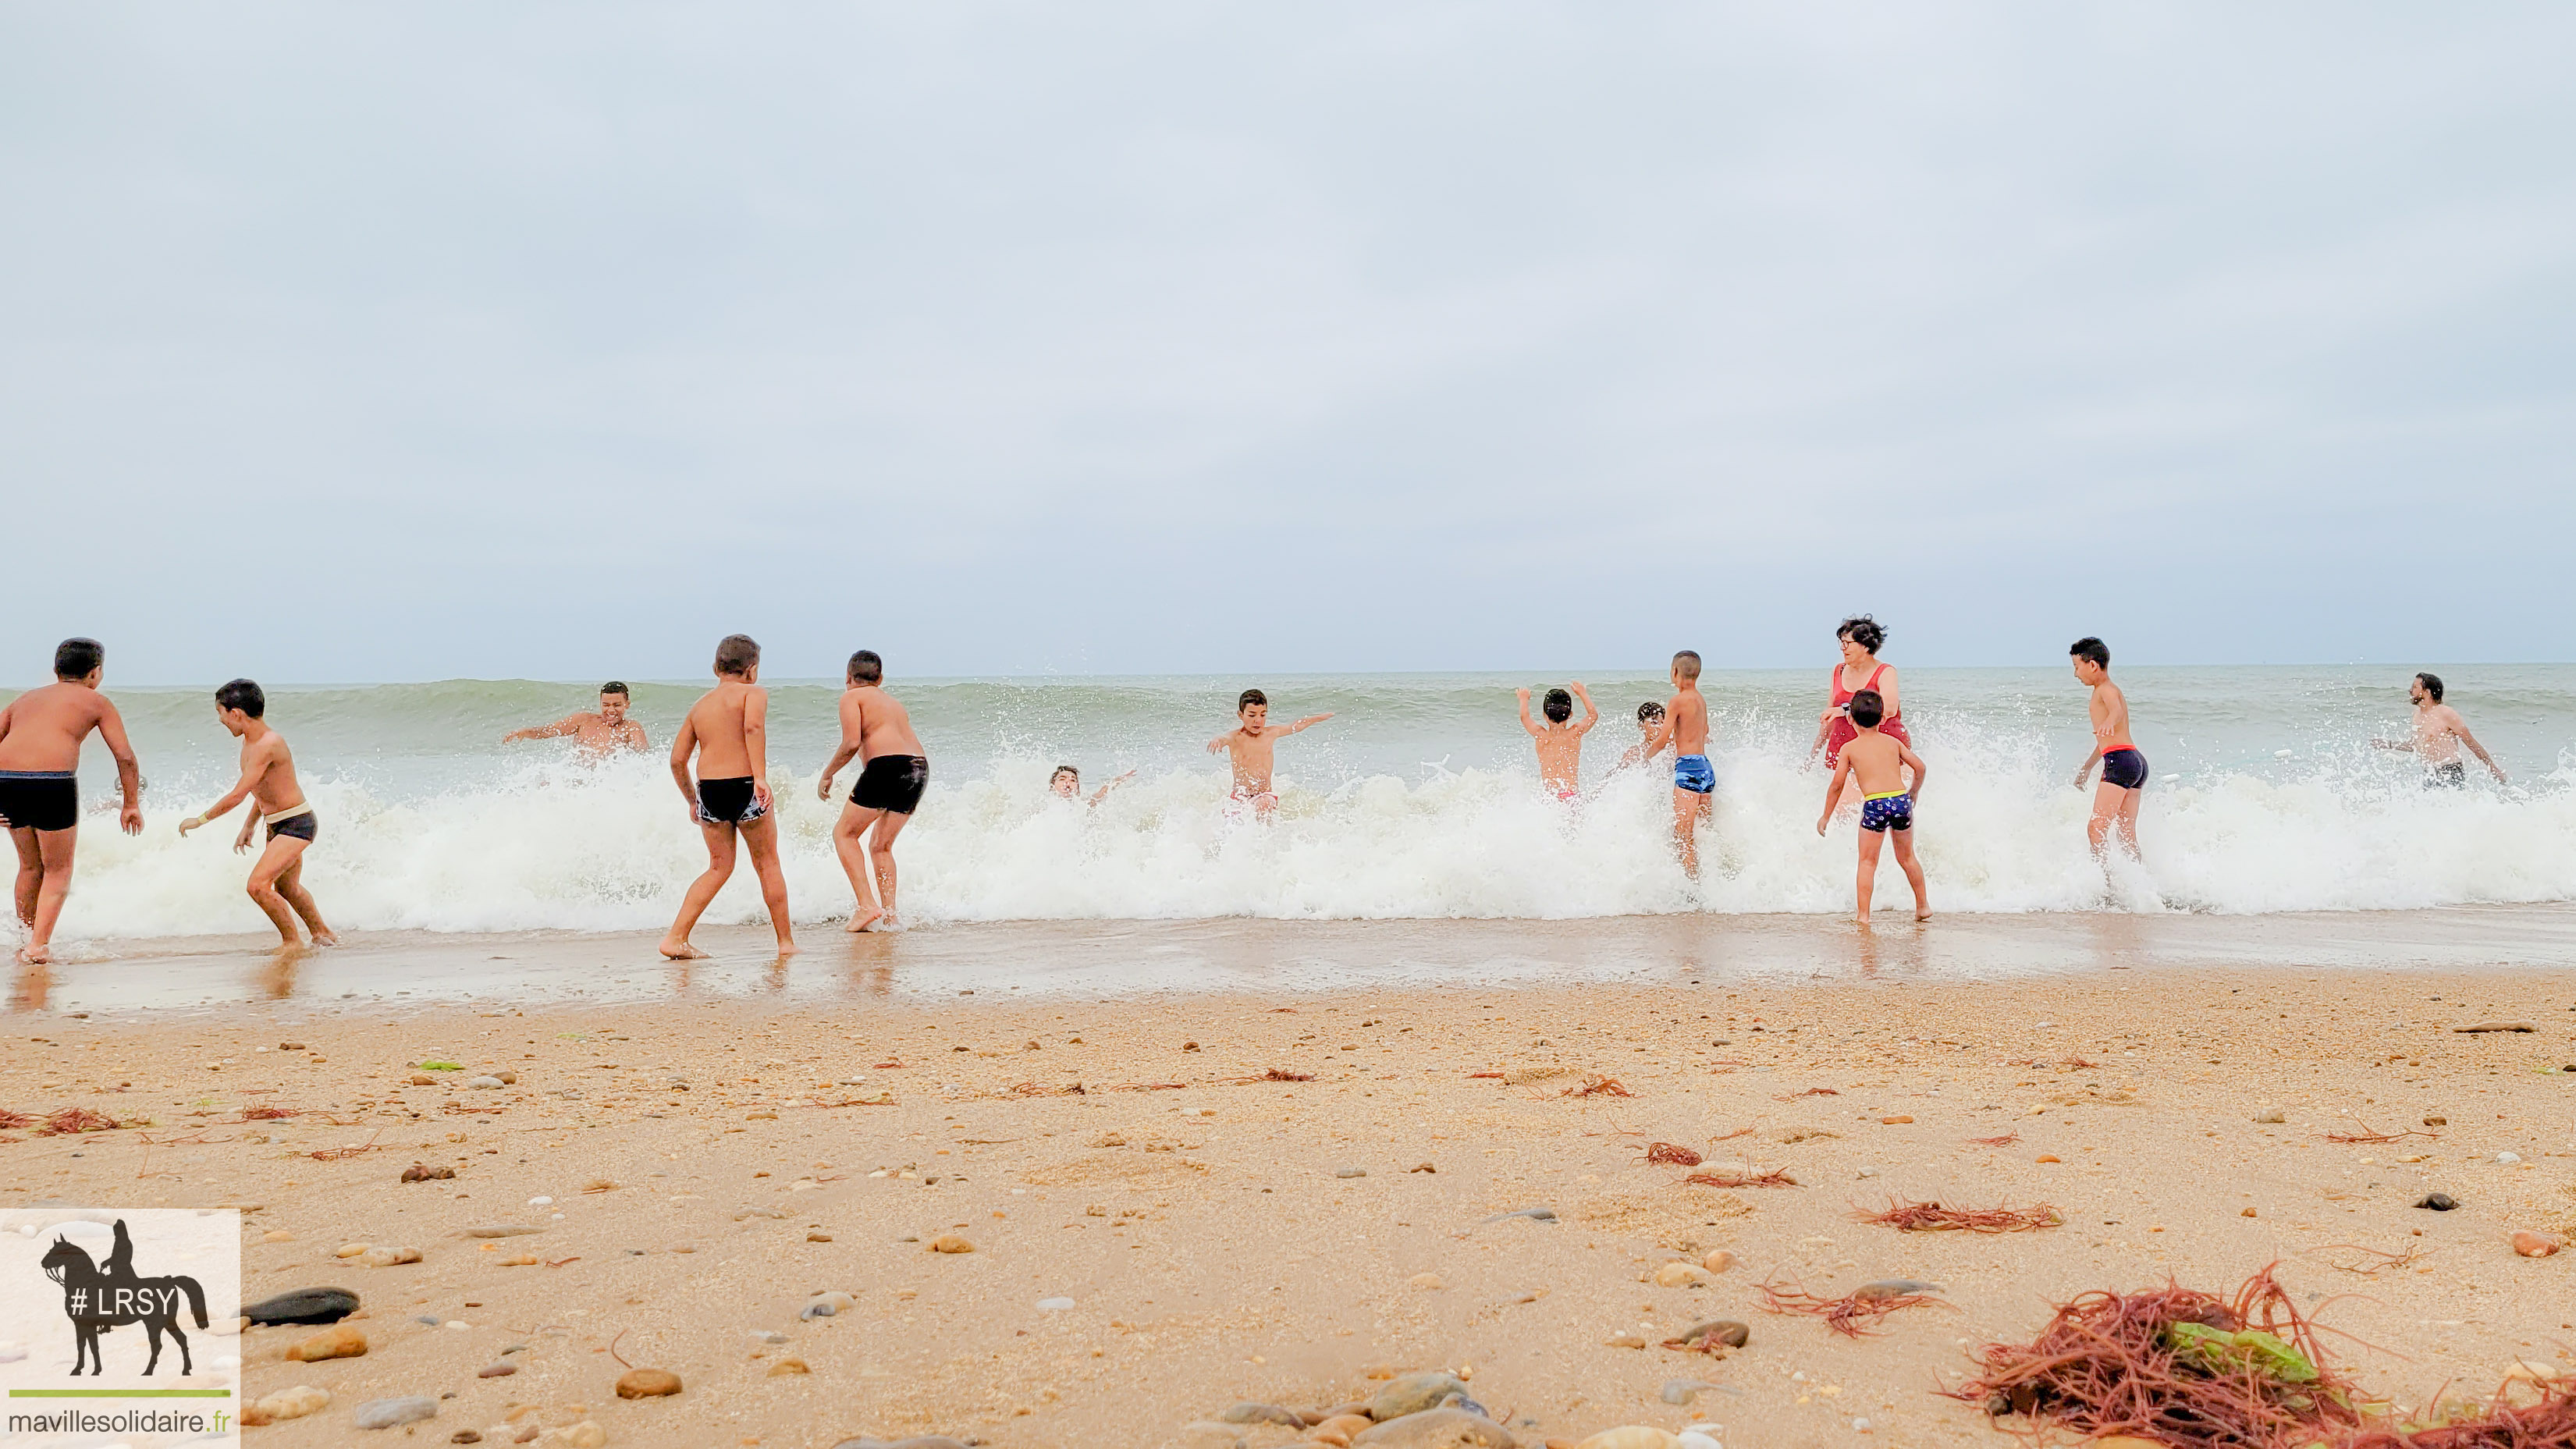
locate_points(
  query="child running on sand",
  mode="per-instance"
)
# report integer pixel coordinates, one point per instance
(2124, 768)
(728, 730)
(277, 801)
(1250, 745)
(1560, 743)
(1685, 728)
(876, 728)
(40, 743)
(1877, 761)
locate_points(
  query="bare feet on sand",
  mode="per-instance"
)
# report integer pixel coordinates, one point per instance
(35, 956)
(864, 919)
(680, 950)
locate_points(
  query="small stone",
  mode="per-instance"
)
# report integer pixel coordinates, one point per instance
(389, 1257)
(950, 1243)
(484, 1084)
(2047, 1157)
(501, 1370)
(424, 1172)
(1632, 1436)
(2534, 1245)
(1252, 1413)
(1412, 1393)
(1625, 1339)
(423, 1079)
(351, 1250)
(585, 1435)
(1425, 1283)
(1423, 1167)
(1350, 1172)
(647, 1384)
(304, 1305)
(1719, 1260)
(501, 1230)
(1054, 1305)
(508, 1079)
(1717, 1332)
(1680, 1275)
(393, 1413)
(2249, 1212)
(1896, 1121)
(818, 1237)
(787, 1366)
(831, 1301)
(466, 1436)
(2508, 1158)
(2271, 1114)
(2440, 1202)
(338, 1342)
(277, 1235)
(2437, 1121)
(295, 1403)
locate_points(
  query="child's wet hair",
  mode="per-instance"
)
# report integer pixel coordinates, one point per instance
(2092, 651)
(1862, 630)
(616, 687)
(75, 658)
(737, 654)
(242, 695)
(2432, 685)
(1868, 707)
(1558, 705)
(867, 667)
(1249, 698)
(1686, 664)
(1063, 770)
(1649, 712)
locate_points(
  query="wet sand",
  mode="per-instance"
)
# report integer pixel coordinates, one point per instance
(1194, 1212)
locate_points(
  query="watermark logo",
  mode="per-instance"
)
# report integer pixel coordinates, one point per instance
(118, 1325)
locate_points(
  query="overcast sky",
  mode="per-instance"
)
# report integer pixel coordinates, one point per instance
(373, 342)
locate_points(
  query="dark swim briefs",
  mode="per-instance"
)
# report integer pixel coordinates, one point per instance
(39, 799)
(891, 783)
(1887, 812)
(730, 801)
(299, 826)
(2124, 769)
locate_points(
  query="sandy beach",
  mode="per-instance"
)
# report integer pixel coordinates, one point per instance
(1284, 1195)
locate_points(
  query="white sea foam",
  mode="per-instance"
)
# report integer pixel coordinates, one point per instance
(547, 846)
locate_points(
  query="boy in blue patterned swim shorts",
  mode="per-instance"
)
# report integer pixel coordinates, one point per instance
(1879, 763)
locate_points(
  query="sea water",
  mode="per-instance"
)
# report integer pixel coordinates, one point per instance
(1418, 799)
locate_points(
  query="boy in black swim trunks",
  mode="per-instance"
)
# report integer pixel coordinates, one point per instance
(1877, 761)
(40, 744)
(268, 781)
(2124, 768)
(876, 728)
(728, 729)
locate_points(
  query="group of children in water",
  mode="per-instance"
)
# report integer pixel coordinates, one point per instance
(719, 761)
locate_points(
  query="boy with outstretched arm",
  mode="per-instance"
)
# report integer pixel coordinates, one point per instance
(40, 744)
(877, 729)
(728, 730)
(1685, 728)
(277, 801)
(2124, 767)
(1560, 741)
(1250, 745)
(1877, 762)
(1650, 717)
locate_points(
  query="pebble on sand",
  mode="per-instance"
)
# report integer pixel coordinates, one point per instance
(1437, 1429)
(1681, 1275)
(787, 1366)
(1425, 1282)
(2271, 1114)
(950, 1243)
(294, 1403)
(1719, 1260)
(647, 1384)
(585, 1435)
(389, 1257)
(1249, 1412)
(486, 1084)
(2534, 1245)
(1632, 1436)
(340, 1341)
(393, 1413)
(1414, 1392)
(424, 1172)
(277, 1235)
(500, 1370)
(304, 1305)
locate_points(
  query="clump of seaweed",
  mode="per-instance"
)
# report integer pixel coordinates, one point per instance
(11, 1121)
(1734, 1176)
(2006, 1140)
(1854, 1313)
(1671, 1154)
(2368, 1138)
(2500, 1423)
(1599, 1087)
(1932, 1217)
(2181, 1367)
(64, 1121)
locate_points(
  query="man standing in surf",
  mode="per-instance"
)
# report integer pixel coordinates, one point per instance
(728, 730)
(40, 743)
(596, 735)
(1685, 728)
(876, 728)
(2124, 767)
(2439, 734)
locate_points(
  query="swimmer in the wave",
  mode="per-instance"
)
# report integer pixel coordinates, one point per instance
(1559, 741)
(40, 743)
(268, 781)
(1650, 716)
(604, 733)
(1250, 744)
(1066, 783)
(2439, 734)
(1685, 727)
(877, 729)
(2124, 768)
(1877, 762)
(728, 731)
(1861, 638)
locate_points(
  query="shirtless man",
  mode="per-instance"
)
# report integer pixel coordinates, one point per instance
(877, 729)
(604, 733)
(2439, 733)
(2124, 768)
(728, 729)
(277, 801)
(1685, 728)
(1560, 742)
(1250, 745)
(40, 743)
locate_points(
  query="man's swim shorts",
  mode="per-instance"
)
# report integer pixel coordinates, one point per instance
(1695, 774)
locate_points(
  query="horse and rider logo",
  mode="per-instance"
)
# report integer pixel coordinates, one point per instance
(97, 1299)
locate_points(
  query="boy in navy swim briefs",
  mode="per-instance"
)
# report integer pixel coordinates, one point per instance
(2124, 769)
(877, 730)
(1878, 761)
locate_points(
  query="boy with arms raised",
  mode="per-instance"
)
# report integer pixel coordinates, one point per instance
(1560, 743)
(268, 781)
(1877, 762)
(1685, 728)
(604, 733)
(728, 730)
(40, 743)
(1251, 744)
(2124, 767)
(878, 729)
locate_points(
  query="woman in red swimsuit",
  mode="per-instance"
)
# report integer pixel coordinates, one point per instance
(1859, 670)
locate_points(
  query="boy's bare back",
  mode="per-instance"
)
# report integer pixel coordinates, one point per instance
(1686, 718)
(719, 723)
(42, 729)
(1877, 762)
(879, 721)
